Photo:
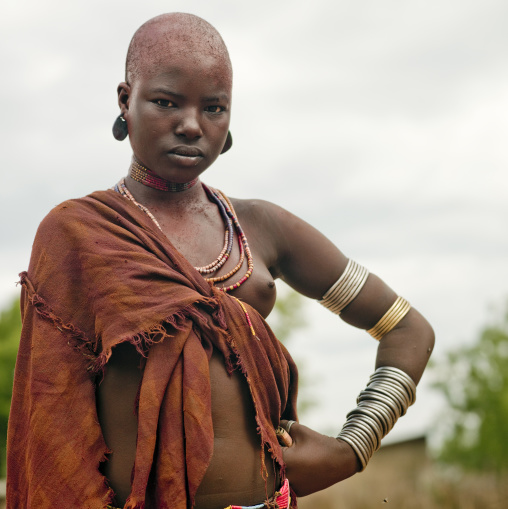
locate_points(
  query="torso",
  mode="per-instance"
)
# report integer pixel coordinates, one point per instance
(234, 473)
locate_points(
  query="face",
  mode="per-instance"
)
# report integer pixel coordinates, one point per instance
(178, 116)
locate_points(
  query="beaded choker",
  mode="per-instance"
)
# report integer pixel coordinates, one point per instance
(148, 178)
(232, 224)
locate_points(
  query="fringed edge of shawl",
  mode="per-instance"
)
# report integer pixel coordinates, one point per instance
(157, 332)
(142, 340)
(265, 441)
(78, 336)
(45, 311)
(110, 495)
(137, 505)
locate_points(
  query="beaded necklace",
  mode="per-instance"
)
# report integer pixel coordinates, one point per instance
(230, 218)
(228, 240)
(147, 177)
(242, 243)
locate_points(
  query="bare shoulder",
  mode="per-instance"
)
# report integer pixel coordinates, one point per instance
(266, 213)
(258, 209)
(263, 225)
(265, 220)
(305, 258)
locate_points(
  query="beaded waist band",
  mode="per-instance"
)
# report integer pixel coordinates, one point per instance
(281, 499)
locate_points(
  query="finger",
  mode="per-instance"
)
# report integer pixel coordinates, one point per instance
(287, 425)
(284, 437)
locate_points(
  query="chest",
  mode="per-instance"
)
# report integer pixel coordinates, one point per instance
(201, 238)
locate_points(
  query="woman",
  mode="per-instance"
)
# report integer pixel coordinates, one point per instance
(175, 393)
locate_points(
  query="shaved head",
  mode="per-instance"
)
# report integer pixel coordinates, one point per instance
(177, 36)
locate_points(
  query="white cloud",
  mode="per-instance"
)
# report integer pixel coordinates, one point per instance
(383, 124)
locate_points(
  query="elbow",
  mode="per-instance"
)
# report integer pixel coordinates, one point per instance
(425, 340)
(428, 336)
(423, 332)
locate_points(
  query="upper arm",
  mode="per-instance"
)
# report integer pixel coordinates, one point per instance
(307, 260)
(310, 263)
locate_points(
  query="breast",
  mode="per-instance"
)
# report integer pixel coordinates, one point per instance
(259, 291)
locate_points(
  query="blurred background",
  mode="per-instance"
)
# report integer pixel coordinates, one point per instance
(383, 124)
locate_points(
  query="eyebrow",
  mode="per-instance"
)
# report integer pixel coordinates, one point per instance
(217, 98)
(166, 92)
(211, 99)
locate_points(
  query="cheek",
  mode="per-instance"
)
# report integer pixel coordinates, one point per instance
(146, 127)
(220, 128)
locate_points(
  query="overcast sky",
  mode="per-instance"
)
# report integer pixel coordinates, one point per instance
(383, 124)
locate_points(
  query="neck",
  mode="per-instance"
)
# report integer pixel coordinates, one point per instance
(163, 200)
(148, 178)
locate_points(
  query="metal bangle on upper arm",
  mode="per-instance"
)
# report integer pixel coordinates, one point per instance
(391, 318)
(346, 289)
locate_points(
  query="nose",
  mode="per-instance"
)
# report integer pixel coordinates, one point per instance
(189, 125)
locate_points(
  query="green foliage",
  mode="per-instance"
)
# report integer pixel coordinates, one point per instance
(474, 381)
(10, 330)
(287, 316)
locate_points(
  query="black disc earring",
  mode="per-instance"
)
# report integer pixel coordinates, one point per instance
(228, 144)
(120, 130)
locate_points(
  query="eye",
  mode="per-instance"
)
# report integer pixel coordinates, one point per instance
(215, 109)
(164, 103)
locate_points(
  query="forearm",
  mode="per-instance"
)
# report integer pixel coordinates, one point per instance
(406, 339)
(402, 356)
(315, 461)
(407, 347)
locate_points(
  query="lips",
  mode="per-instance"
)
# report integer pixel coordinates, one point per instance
(186, 151)
(185, 156)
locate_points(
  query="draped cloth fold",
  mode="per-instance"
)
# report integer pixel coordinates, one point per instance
(101, 274)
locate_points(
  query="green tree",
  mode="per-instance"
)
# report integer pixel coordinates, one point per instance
(10, 330)
(287, 315)
(474, 381)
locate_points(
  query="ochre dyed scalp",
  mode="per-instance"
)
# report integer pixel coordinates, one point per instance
(178, 35)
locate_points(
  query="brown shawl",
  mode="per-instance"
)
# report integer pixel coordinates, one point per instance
(101, 274)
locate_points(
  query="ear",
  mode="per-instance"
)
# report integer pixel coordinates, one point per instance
(124, 93)
(228, 144)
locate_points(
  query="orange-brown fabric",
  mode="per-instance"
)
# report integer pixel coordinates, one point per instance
(101, 274)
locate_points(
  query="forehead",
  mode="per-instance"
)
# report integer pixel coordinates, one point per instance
(193, 66)
(178, 41)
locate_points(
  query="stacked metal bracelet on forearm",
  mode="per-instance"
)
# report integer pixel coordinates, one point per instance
(390, 390)
(387, 396)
